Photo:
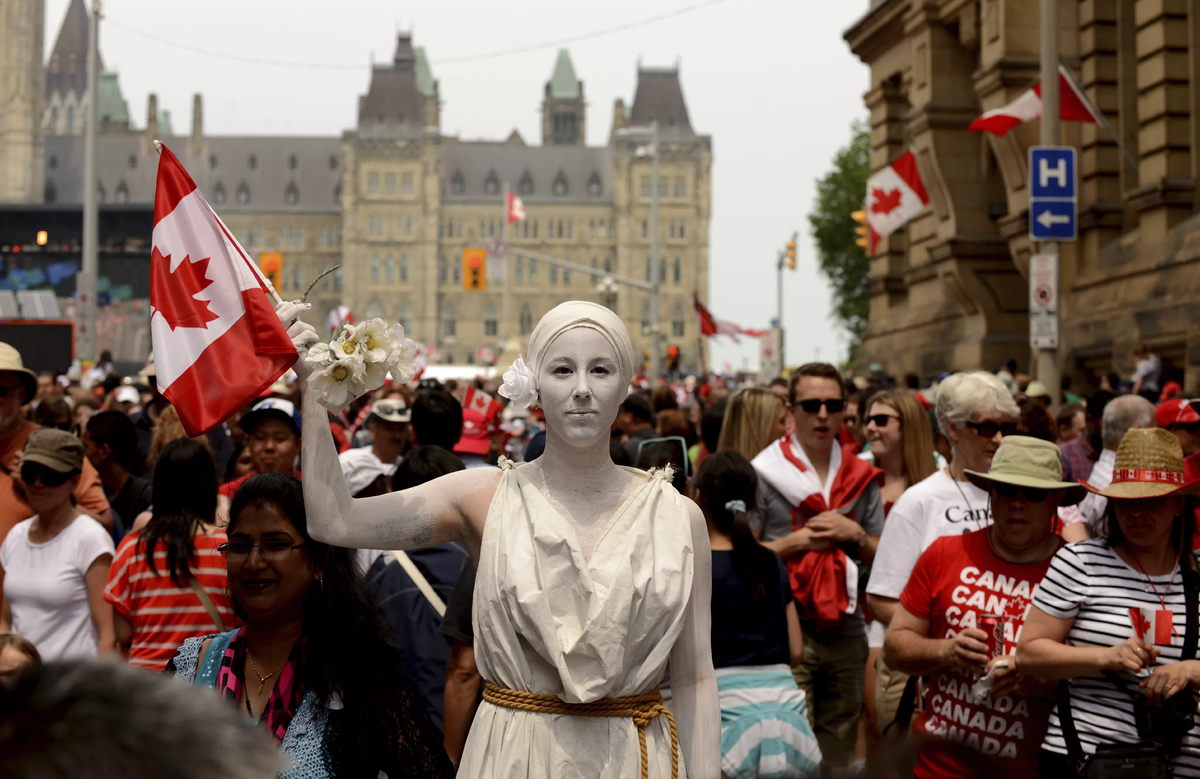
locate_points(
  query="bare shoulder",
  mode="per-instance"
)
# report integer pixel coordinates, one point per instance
(203, 652)
(142, 520)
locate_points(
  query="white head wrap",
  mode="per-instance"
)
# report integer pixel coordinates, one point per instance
(520, 381)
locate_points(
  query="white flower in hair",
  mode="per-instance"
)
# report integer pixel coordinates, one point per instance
(519, 385)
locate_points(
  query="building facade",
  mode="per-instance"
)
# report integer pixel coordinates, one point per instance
(950, 290)
(21, 84)
(395, 201)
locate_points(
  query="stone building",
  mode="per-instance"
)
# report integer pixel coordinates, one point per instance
(395, 201)
(21, 80)
(950, 291)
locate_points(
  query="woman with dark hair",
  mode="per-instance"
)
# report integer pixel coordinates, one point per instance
(240, 463)
(1116, 619)
(312, 665)
(756, 636)
(167, 582)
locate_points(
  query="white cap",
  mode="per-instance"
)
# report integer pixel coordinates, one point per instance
(361, 468)
(127, 394)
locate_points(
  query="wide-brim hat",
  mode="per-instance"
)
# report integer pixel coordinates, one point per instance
(10, 362)
(1149, 464)
(1028, 462)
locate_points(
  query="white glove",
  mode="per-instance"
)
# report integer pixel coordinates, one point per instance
(303, 335)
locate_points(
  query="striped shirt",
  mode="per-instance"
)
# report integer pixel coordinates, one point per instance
(162, 613)
(1089, 583)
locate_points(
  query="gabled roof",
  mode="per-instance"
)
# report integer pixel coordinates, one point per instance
(70, 48)
(563, 84)
(394, 104)
(112, 103)
(659, 97)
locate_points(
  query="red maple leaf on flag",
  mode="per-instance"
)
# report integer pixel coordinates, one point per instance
(1140, 623)
(885, 202)
(174, 294)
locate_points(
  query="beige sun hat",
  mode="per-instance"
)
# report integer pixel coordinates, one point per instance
(1028, 462)
(10, 362)
(1149, 464)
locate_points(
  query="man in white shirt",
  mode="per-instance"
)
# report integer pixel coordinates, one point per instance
(1087, 520)
(974, 411)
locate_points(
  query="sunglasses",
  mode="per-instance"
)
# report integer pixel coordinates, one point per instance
(813, 406)
(1032, 494)
(989, 429)
(31, 473)
(881, 420)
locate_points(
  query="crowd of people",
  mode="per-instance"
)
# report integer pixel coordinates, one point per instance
(939, 579)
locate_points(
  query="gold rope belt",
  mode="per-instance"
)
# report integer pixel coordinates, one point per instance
(640, 708)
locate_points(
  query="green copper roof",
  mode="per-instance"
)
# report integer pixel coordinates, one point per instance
(424, 74)
(563, 84)
(164, 123)
(111, 101)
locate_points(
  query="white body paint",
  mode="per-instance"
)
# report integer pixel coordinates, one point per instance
(583, 372)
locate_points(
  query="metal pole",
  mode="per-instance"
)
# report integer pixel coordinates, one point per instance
(504, 263)
(85, 281)
(779, 306)
(1047, 359)
(655, 354)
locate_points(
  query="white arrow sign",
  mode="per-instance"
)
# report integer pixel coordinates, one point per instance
(1048, 220)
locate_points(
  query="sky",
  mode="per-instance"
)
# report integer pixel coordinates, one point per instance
(771, 81)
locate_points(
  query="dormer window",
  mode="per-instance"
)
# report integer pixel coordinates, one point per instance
(292, 195)
(457, 185)
(212, 161)
(525, 186)
(492, 185)
(122, 193)
(219, 194)
(252, 162)
(333, 162)
(292, 162)
(594, 187)
(560, 185)
(243, 194)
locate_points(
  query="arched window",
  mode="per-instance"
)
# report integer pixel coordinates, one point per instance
(594, 188)
(292, 162)
(662, 271)
(292, 195)
(443, 270)
(449, 324)
(678, 270)
(566, 275)
(243, 194)
(389, 269)
(526, 323)
(457, 185)
(219, 194)
(678, 323)
(491, 323)
(492, 185)
(560, 185)
(375, 270)
(122, 193)
(525, 186)
(403, 267)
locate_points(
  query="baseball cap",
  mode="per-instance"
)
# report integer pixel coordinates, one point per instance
(475, 434)
(1179, 411)
(1036, 389)
(57, 450)
(127, 394)
(271, 408)
(391, 410)
(361, 468)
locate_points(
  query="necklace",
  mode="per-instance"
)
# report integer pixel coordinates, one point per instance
(960, 492)
(262, 680)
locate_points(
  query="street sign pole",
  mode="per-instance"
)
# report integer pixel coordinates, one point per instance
(1047, 359)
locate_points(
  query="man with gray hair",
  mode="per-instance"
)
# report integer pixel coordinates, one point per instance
(1087, 520)
(974, 410)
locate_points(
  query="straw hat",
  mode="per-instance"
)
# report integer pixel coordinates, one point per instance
(1028, 462)
(1149, 463)
(10, 362)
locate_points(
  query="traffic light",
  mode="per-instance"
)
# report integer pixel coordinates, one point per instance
(672, 358)
(271, 264)
(860, 216)
(475, 269)
(790, 253)
(646, 363)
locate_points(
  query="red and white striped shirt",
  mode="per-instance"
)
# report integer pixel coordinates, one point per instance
(162, 613)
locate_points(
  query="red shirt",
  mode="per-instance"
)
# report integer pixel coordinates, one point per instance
(956, 580)
(162, 613)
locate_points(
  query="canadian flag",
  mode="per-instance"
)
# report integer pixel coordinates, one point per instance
(894, 195)
(485, 355)
(484, 404)
(337, 315)
(217, 341)
(1073, 106)
(516, 209)
(710, 325)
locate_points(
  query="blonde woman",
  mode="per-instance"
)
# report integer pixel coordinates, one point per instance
(756, 416)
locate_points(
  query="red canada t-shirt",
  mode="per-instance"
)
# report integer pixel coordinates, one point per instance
(955, 581)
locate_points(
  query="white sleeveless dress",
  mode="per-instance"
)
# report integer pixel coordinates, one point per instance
(548, 622)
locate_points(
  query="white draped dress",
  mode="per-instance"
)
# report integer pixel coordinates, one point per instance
(547, 621)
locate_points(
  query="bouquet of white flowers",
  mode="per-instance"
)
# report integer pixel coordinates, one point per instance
(358, 360)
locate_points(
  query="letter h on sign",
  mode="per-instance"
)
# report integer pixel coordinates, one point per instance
(1052, 193)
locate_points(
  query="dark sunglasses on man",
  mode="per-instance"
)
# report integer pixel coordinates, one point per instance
(813, 405)
(989, 429)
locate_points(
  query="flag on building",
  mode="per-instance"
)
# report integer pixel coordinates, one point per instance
(894, 195)
(1073, 106)
(516, 209)
(711, 326)
(217, 341)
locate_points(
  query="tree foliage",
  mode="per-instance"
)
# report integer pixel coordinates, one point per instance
(839, 194)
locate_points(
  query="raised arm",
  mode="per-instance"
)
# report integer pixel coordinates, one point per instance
(694, 699)
(433, 513)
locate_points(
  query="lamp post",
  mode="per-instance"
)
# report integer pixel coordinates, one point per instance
(85, 281)
(608, 289)
(651, 132)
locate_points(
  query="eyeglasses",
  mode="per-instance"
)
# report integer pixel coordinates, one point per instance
(274, 550)
(32, 473)
(1009, 491)
(989, 429)
(881, 420)
(813, 406)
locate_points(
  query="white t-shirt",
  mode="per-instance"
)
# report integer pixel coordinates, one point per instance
(45, 588)
(936, 507)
